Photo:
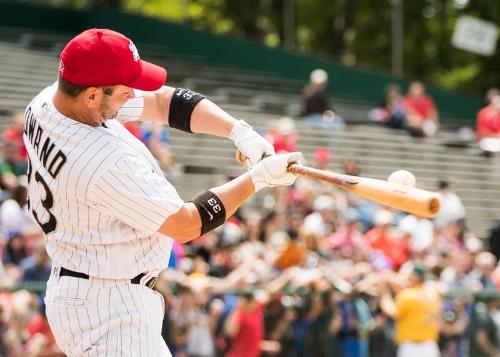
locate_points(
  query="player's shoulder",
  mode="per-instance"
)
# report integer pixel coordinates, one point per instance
(118, 140)
(113, 141)
(42, 98)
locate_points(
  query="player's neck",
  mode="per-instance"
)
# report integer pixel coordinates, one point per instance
(69, 107)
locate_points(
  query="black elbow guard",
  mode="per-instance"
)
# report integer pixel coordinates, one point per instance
(212, 211)
(181, 106)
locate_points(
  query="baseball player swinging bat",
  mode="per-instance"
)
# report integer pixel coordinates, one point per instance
(413, 200)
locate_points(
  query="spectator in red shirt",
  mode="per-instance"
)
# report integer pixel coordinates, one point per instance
(14, 133)
(245, 325)
(41, 338)
(421, 113)
(488, 126)
(383, 239)
(285, 137)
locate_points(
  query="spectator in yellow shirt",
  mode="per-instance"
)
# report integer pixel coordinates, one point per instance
(416, 311)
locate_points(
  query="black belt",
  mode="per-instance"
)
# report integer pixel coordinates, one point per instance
(136, 280)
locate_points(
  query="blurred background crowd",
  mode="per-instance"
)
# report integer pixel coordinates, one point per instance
(315, 272)
(307, 270)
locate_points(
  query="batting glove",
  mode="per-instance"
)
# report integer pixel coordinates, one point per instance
(253, 146)
(272, 171)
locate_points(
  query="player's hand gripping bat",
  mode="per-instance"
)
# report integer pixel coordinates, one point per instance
(413, 200)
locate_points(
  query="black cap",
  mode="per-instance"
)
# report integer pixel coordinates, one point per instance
(487, 295)
(246, 293)
(443, 184)
(420, 271)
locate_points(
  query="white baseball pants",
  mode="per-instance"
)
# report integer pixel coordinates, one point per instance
(103, 317)
(423, 349)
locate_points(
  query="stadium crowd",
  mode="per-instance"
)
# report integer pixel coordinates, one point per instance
(416, 111)
(316, 272)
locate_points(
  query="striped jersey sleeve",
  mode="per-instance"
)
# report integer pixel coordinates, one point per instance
(135, 194)
(132, 109)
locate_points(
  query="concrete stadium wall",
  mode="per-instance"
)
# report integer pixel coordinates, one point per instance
(347, 82)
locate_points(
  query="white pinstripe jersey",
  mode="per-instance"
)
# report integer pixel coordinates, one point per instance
(97, 192)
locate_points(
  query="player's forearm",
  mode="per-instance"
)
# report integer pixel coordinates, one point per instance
(210, 209)
(186, 224)
(235, 192)
(208, 118)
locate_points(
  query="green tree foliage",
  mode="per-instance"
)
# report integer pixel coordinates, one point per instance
(355, 32)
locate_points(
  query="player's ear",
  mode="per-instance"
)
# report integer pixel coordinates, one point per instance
(91, 96)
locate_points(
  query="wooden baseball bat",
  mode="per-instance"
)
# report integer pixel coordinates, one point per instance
(413, 200)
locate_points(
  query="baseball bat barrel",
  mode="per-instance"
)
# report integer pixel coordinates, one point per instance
(413, 200)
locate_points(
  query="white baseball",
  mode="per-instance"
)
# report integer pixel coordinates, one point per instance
(403, 177)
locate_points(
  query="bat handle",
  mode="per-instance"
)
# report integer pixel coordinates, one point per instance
(293, 168)
(241, 158)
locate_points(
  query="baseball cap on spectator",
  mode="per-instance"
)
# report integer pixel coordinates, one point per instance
(246, 292)
(383, 217)
(102, 57)
(472, 243)
(286, 126)
(324, 203)
(419, 270)
(485, 261)
(487, 295)
(408, 224)
(318, 76)
(443, 184)
(279, 240)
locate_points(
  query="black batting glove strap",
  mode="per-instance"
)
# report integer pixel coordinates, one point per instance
(211, 210)
(181, 107)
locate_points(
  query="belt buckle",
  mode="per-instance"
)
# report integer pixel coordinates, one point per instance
(152, 282)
